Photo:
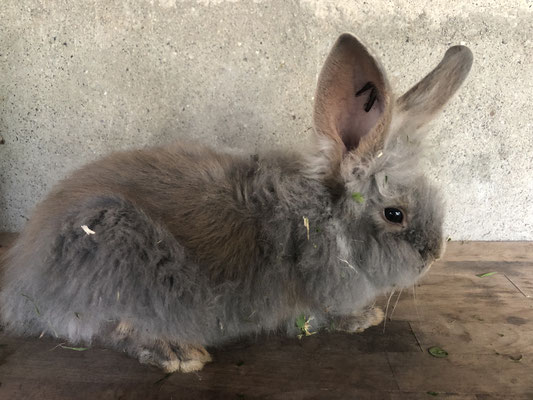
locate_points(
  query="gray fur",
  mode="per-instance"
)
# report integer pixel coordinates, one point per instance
(192, 247)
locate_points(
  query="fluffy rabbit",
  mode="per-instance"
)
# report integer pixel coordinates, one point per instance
(161, 252)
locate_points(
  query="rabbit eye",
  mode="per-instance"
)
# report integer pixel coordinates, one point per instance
(393, 215)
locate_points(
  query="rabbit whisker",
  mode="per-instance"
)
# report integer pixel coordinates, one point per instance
(416, 304)
(395, 304)
(387, 310)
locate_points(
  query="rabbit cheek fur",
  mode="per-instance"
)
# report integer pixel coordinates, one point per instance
(187, 247)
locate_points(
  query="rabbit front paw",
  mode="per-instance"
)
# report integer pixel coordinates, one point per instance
(369, 316)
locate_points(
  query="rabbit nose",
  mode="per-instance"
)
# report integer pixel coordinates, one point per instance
(433, 249)
(431, 253)
(438, 251)
(424, 253)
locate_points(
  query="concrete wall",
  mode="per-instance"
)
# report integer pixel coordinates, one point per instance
(79, 79)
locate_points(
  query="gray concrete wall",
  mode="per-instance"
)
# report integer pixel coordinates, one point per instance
(79, 79)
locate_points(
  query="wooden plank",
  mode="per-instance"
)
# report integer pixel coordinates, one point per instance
(504, 396)
(488, 251)
(266, 367)
(430, 394)
(136, 391)
(469, 315)
(465, 299)
(519, 273)
(465, 374)
(506, 340)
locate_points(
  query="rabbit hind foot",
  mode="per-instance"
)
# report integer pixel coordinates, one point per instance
(171, 358)
(167, 355)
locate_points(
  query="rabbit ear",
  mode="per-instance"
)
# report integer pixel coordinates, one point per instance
(420, 104)
(352, 101)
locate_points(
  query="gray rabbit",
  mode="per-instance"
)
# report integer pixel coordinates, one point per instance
(164, 251)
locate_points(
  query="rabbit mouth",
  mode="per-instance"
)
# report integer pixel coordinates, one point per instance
(426, 266)
(429, 255)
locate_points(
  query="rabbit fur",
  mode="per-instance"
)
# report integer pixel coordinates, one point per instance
(184, 247)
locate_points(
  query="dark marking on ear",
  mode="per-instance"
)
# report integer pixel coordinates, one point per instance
(372, 97)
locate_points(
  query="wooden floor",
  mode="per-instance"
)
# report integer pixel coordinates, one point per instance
(484, 323)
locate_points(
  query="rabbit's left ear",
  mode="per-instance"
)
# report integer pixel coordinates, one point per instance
(352, 101)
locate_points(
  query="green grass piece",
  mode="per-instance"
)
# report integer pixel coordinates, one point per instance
(486, 274)
(432, 393)
(74, 348)
(358, 197)
(436, 351)
(239, 363)
(302, 323)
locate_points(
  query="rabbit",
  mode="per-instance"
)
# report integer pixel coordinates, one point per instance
(164, 252)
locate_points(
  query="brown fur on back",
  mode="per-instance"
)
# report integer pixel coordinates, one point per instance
(168, 184)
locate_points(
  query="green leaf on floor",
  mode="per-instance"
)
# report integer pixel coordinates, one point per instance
(436, 351)
(486, 274)
(432, 393)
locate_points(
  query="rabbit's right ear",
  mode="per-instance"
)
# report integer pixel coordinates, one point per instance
(353, 100)
(424, 100)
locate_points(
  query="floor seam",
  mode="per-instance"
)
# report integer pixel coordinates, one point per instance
(392, 371)
(416, 337)
(516, 286)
